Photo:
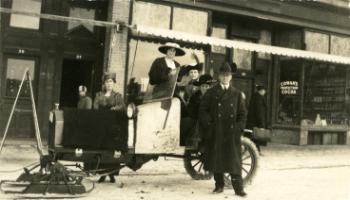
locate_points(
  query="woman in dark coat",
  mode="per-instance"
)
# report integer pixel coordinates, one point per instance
(107, 99)
(164, 70)
(204, 83)
(223, 113)
(193, 71)
(257, 113)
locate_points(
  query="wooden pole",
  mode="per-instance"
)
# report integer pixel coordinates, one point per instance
(12, 111)
(35, 116)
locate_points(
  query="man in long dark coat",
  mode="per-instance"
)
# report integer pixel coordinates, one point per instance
(223, 112)
(257, 113)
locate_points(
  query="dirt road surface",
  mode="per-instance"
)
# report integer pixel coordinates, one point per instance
(286, 172)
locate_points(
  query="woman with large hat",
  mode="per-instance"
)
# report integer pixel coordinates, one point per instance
(165, 69)
(203, 83)
(193, 71)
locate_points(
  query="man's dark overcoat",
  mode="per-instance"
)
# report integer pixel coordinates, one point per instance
(257, 112)
(224, 115)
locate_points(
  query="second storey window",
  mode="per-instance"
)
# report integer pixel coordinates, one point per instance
(27, 22)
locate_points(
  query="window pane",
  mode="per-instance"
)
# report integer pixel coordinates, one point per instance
(83, 13)
(150, 14)
(21, 21)
(289, 93)
(14, 75)
(325, 93)
(191, 21)
(242, 58)
(317, 42)
(340, 45)
(265, 38)
(218, 32)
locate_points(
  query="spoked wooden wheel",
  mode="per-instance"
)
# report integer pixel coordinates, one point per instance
(194, 165)
(250, 161)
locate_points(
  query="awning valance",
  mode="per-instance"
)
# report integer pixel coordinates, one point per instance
(192, 38)
(213, 41)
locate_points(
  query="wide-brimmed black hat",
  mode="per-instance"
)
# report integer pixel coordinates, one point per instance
(164, 48)
(260, 87)
(109, 75)
(198, 66)
(205, 79)
(228, 68)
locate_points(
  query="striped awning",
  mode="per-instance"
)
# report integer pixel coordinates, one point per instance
(213, 41)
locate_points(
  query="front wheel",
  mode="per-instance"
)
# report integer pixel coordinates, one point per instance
(194, 164)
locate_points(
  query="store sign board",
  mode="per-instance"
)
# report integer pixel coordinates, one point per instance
(289, 87)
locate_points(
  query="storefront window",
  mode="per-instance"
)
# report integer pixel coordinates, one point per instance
(14, 75)
(324, 93)
(21, 21)
(288, 111)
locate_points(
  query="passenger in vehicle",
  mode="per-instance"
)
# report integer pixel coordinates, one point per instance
(185, 122)
(204, 83)
(190, 128)
(109, 100)
(85, 102)
(194, 72)
(164, 69)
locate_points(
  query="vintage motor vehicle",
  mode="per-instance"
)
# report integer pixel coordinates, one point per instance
(148, 129)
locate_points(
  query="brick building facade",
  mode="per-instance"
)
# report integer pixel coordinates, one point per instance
(59, 52)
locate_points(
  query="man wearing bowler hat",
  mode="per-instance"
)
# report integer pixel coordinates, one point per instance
(223, 113)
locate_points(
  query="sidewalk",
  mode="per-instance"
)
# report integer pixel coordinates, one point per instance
(271, 147)
(22, 143)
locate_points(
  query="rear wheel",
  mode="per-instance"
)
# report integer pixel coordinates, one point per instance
(250, 162)
(194, 165)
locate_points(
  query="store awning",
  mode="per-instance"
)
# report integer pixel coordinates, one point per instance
(192, 38)
(213, 41)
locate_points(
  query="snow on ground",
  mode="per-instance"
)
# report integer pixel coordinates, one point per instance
(286, 172)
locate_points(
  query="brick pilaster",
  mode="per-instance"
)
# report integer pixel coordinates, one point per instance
(117, 43)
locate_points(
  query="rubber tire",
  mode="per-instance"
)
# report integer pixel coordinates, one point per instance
(255, 155)
(190, 169)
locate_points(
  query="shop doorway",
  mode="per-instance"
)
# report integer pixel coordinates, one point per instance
(75, 73)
